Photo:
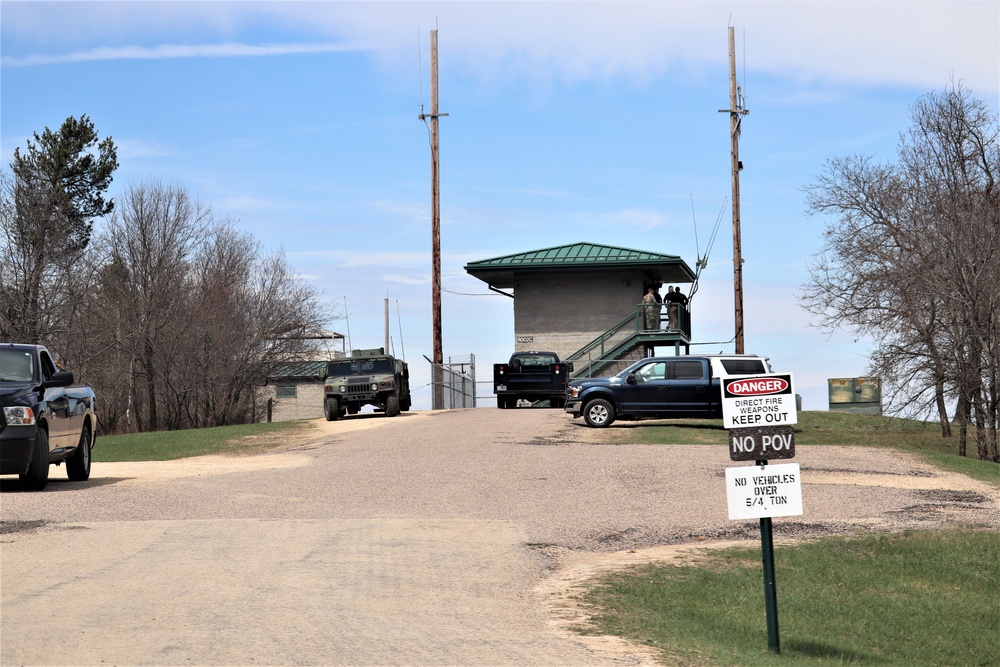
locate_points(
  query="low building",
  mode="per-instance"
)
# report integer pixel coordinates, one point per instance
(584, 300)
(294, 389)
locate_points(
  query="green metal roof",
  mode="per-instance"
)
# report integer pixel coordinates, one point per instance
(499, 271)
(297, 370)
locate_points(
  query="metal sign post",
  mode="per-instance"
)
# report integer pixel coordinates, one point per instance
(759, 413)
(770, 582)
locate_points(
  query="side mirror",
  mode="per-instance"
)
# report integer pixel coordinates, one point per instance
(630, 378)
(60, 379)
(569, 367)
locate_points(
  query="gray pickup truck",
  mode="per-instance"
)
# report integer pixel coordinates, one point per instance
(46, 419)
(660, 387)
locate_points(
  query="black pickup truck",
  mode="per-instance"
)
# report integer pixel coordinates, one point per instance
(532, 376)
(659, 387)
(45, 418)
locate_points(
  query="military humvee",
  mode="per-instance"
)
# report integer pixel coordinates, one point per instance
(367, 377)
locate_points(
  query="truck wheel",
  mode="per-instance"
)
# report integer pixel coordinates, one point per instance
(391, 405)
(38, 472)
(599, 413)
(78, 465)
(331, 409)
(404, 404)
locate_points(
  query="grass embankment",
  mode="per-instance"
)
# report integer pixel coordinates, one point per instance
(168, 445)
(912, 598)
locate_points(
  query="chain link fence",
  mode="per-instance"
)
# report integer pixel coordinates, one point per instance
(454, 383)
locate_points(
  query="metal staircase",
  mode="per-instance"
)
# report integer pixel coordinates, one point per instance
(625, 342)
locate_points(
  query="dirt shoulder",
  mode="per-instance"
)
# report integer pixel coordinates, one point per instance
(292, 453)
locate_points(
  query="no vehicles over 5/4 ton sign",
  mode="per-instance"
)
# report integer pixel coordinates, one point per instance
(760, 400)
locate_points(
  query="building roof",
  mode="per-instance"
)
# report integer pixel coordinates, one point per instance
(296, 370)
(500, 271)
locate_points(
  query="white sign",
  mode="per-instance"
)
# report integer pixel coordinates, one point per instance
(758, 492)
(759, 400)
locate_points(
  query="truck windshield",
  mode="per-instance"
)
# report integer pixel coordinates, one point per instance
(537, 360)
(358, 367)
(16, 365)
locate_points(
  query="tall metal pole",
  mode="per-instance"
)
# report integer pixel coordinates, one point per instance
(736, 113)
(385, 304)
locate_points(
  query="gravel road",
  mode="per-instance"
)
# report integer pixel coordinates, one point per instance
(444, 538)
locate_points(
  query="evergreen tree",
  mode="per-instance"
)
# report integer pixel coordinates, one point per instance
(56, 190)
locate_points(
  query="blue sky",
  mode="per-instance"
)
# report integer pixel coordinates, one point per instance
(568, 121)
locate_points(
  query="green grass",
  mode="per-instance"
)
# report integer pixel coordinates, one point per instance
(168, 445)
(913, 598)
(824, 428)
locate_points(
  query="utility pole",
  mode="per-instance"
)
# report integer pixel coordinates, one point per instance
(438, 377)
(736, 113)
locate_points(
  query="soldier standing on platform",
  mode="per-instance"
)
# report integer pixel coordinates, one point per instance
(652, 309)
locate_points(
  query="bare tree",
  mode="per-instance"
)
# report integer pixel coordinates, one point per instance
(150, 242)
(910, 259)
(187, 314)
(173, 317)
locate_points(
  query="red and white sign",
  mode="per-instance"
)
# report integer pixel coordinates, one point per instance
(760, 400)
(758, 386)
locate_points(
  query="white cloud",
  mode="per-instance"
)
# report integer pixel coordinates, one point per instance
(890, 42)
(405, 280)
(168, 51)
(359, 258)
(246, 204)
(140, 148)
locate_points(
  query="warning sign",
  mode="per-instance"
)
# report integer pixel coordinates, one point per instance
(760, 400)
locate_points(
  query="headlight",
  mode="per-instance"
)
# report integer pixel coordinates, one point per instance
(574, 392)
(374, 387)
(343, 389)
(18, 416)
